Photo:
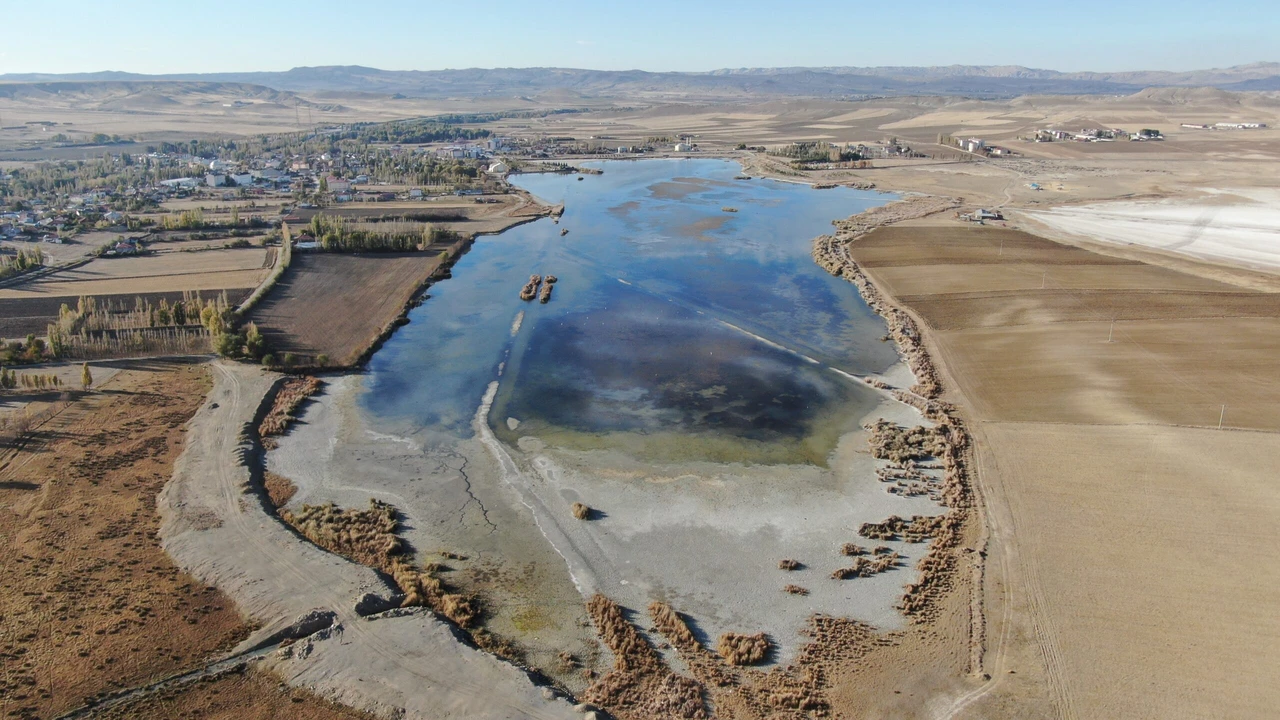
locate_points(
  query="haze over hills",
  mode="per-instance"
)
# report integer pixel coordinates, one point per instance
(825, 82)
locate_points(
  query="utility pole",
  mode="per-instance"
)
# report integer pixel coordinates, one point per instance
(1112, 331)
(1042, 280)
(1221, 416)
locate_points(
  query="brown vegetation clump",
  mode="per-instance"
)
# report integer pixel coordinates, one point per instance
(545, 296)
(918, 529)
(788, 564)
(640, 686)
(739, 649)
(580, 511)
(852, 549)
(795, 590)
(672, 626)
(293, 392)
(369, 538)
(902, 445)
(279, 489)
(530, 289)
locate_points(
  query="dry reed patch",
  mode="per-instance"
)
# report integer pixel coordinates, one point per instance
(789, 565)
(898, 444)
(279, 489)
(293, 392)
(795, 590)
(369, 538)
(90, 602)
(852, 550)
(640, 686)
(739, 649)
(580, 511)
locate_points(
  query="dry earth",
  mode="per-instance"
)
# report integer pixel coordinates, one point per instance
(1114, 588)
(337, 304)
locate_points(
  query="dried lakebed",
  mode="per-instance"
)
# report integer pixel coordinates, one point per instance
(700, 386)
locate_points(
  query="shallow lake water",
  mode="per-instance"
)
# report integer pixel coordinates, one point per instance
(678, 330)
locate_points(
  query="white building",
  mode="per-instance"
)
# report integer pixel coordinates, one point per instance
(498, 168)
(213, 180)
(683, 147)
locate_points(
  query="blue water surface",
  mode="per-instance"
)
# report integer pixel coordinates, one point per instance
(671, 315)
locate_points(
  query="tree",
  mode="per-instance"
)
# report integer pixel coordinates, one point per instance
(86, 377)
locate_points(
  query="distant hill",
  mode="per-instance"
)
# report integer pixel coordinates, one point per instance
(826, 82)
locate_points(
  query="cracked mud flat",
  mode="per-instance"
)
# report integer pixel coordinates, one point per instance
(704, 537)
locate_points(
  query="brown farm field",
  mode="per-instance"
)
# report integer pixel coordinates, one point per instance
(338, 304)
(161, 272)
(1132, 552)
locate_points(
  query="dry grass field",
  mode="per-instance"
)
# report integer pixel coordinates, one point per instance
(92, 603)
(336, 305)
(1133, 544)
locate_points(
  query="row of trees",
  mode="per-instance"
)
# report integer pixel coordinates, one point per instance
(25, 260)
(10, 380)
(336, 235)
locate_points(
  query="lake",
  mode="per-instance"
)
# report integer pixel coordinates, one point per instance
(678, 329)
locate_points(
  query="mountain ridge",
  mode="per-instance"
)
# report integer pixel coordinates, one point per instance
(988, 80)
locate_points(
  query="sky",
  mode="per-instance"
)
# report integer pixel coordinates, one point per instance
(656, 35)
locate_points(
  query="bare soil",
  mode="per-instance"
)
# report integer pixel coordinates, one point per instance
(158, 273)
(1111, 588)
(337, 305)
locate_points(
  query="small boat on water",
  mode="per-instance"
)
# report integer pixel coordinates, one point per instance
(564, 231)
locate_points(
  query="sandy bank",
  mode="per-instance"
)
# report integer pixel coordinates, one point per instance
(397, 665)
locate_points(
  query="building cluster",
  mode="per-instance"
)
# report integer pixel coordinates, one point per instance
(1096, 135)
(979, 146)
(1226, 126)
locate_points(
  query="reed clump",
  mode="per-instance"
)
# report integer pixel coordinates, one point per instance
(852, 549)
(530, 289)
(795, 590)
(293, 392)
(369, 538)
(580, 511)
(789, 564)
(739, 649)
(640, 685)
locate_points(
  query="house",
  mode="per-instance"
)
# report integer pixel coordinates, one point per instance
(213, 180)
(337, 185)
(113, 217)
(242, 179)
(415, 193)
(683, 147)
(983, 214)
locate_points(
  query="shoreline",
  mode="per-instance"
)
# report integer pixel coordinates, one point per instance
(550, 475)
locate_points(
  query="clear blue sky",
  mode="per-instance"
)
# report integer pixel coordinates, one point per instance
(240, 35)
